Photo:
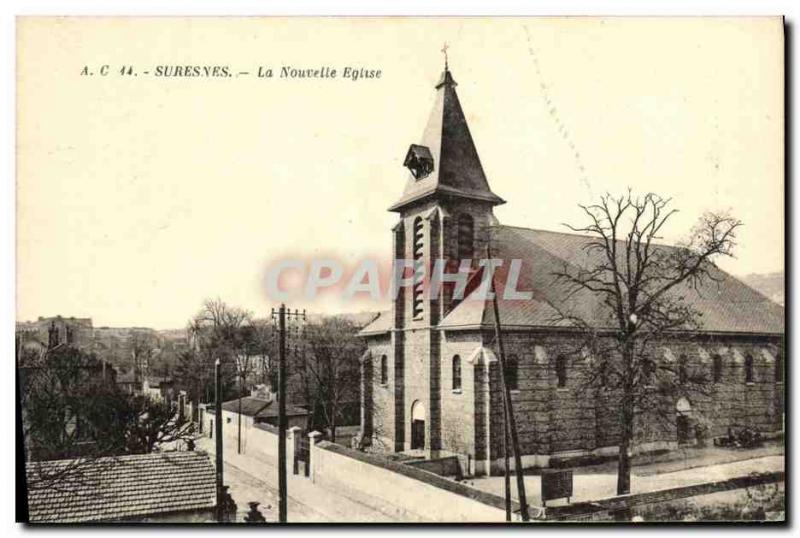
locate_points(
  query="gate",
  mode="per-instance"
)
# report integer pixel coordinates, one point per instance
(301, 453)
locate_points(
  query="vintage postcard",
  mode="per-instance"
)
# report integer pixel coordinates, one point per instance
(400, 270)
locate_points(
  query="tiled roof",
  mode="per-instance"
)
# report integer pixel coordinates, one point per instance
(112, 489)
(724, 304)
(256, 407)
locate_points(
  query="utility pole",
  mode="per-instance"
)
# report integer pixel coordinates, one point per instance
(508, 407)
(506, 473)
(218, 435)
(282, 495)
(282, 314)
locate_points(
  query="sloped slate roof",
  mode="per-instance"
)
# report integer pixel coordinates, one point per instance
(256, 407)
(380, 325)
(111, 489)
(725, 305)
(457, 169)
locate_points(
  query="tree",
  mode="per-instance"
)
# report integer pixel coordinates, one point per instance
(154, 424)
(232, 335)
(70, 405)
(639, 289)
(73, 411)
(215, 333)
(328, 369)
(144, 346)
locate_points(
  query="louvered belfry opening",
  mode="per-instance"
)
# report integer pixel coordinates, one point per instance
(418, 267)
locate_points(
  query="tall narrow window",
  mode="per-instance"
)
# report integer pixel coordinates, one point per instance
(512, 373)
(384, 370)
(717, 369)
(683, 375)
(418, 266)
(602, 374)
(561, 371)
(456, 373)
(466, 237)
(748, 369)
(648, 371)
(778, 368)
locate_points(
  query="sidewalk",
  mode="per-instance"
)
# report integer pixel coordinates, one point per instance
(252, 479)
(598, 482)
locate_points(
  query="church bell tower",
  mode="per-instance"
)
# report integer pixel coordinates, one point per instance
(445, 213)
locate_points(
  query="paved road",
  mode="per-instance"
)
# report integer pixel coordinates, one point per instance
(252, 479)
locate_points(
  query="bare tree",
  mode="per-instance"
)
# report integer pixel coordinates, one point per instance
(153, 425)
(328, 368)
(144, 346)
(630, 297)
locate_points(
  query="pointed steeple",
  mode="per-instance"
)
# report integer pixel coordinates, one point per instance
(456, 169)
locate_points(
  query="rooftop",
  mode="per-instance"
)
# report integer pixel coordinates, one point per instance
(124, 487)
(259, 408)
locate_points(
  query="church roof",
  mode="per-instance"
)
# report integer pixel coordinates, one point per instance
(457, 170)
(380, 325)
(725, 304)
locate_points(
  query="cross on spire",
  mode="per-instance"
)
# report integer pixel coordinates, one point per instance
(444, 51)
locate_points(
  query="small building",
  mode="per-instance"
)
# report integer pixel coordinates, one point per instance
(127, 382)
(158, 389)
(169, 487)
(261, 407)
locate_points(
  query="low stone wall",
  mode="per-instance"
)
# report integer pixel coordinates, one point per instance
(663, 504)
(400, 490)
(447, 466)
(258, 440)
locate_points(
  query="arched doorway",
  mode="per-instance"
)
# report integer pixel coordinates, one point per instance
(417, 425)
(683, 410)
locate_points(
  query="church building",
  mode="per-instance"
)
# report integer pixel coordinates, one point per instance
(431, 380)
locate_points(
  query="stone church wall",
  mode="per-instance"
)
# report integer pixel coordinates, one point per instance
(576, 420)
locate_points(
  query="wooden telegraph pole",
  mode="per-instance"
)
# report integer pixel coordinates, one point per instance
(506, 473)
(507, 405)
(282, 314)
(218, 435)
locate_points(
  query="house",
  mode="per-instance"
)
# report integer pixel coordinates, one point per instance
(169, 487)
(261, 407)
(430, 377)
(51, 331)
(158, 389)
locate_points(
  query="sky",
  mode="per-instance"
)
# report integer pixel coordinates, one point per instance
(140, 196)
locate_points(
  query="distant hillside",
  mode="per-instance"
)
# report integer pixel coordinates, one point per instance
(770, 284)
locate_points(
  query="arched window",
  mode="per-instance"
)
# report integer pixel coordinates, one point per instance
(778, 368)
(384, 370)
(456, 373)
(717, 365)
(466, 237)
(683, 375)
(418, 267)
(512, 373)
(748, 368)
(561, 371)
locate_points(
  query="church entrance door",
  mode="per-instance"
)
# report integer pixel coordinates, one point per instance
(683, 414)
(417, 425)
